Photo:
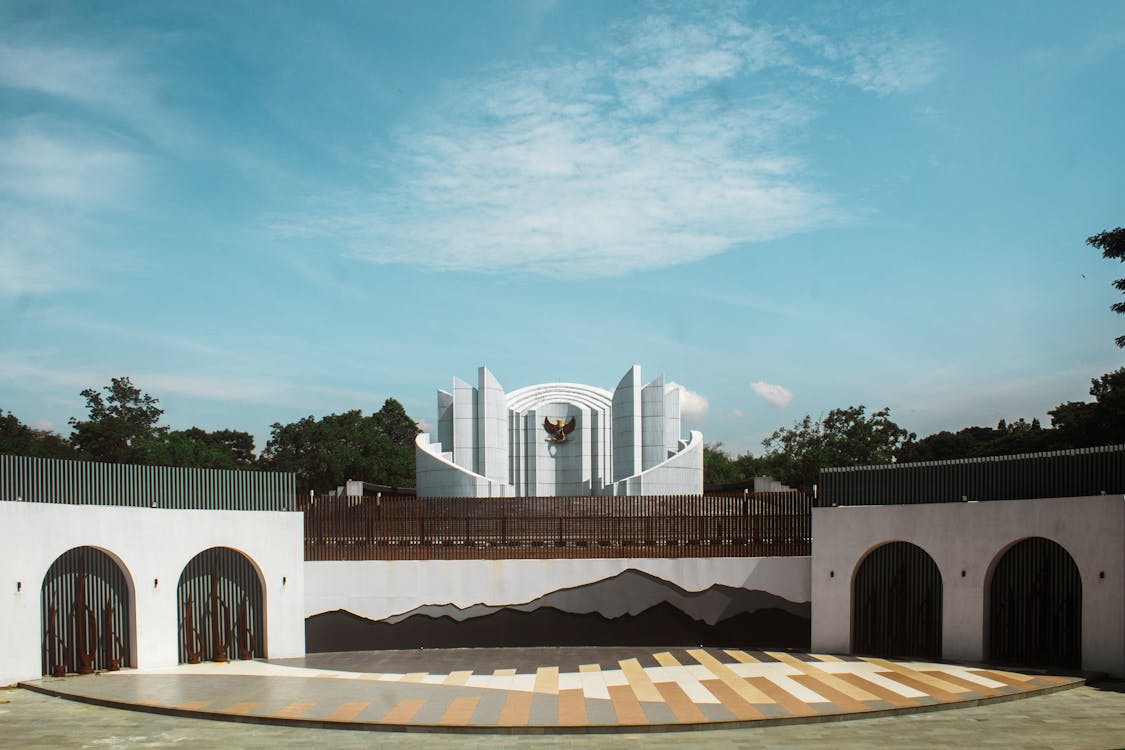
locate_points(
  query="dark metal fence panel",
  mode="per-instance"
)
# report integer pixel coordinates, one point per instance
(1071, 473)
(53, 480)
(85, 612)
(1035, 607)
(897, 603)
(460, 528)
(214, 623)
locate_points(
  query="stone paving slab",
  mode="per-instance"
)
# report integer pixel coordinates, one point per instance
(611, 692)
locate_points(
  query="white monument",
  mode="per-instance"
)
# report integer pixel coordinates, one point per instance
(559, 439)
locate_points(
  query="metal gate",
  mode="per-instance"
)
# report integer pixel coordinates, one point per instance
(1035, 606)
(219, 608)
(86, 614)
(897, 603)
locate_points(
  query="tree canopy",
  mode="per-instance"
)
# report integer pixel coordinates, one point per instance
(18, 439)
(118, 425)
(1112, 245)
(326, 452)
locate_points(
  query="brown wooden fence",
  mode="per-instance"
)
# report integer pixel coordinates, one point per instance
(766, 524)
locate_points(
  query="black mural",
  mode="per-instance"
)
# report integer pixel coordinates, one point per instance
(630, 609)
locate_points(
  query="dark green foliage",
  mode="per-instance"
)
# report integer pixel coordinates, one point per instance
(1112, 245)
(326, 452)
(119, 425)
(845, 437)
(17, 439)
(196, 448)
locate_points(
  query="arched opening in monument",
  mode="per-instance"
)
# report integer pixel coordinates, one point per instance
(220, 608)
(1035, 606)
(897, 603)
(87, 613)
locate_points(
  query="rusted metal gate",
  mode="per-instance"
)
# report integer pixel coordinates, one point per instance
(897, 603)
(86, 614)
(219, 608)
(1035, 606)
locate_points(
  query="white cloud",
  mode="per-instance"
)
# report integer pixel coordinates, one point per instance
(693, 406)
(605, 164)
(778, 395)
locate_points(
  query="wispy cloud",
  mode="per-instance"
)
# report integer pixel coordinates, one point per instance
(778, 395)
(604, 164)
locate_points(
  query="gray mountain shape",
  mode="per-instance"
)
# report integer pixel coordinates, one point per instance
(629, 592)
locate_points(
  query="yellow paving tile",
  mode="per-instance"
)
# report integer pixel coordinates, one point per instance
(975, 687)
(741, 656)
(193, 705)
(665, 659)
(572, 708)
(945, 696)
(414, 677)
(547, 680)
(457, 678)
(825, 657)
(781, 697)
(403, 711)
(503, 673)
(460, 711)
(1008, 678)
(732, 701)
(878, 691)
(746, 690)
(347, 711)
(936, 682)
(589, 668)
(517, 710)
(682, 706)
(626, 706)
(639, 680)
(294, 710)
(846, 703)
(830, 680)
(243, 707)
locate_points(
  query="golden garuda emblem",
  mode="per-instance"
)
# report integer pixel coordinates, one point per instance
(557, 430)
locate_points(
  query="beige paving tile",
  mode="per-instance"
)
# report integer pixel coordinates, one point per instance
(295, 710)
(836, 684)
(682, 706)
(741, 656)
(901, 669)
(665, 659)
(547, 680)
(403, 711)
(517, 710)
(458, 678)
(347, 711)
(626, 706)
(639, 681)
(460, 711)
(746, 690)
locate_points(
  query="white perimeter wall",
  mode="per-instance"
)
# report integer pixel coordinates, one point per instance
(150, 544)
(971, 537)
(377, 589)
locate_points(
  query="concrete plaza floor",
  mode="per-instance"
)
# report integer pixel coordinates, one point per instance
(1084, 717)
(559, 690)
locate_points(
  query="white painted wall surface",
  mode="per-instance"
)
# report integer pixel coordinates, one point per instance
(377, 589)
(971, 537)
(150, 544)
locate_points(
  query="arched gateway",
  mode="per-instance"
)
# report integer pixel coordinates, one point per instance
(897, 603)
(220, 608)
(1035, 606)
(86, 614)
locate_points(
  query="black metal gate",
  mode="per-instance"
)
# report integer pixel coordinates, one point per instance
(1035, 606)
(219, 608)
(86, 614)
(897, 603)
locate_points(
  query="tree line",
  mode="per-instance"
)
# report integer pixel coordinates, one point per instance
(123, 425)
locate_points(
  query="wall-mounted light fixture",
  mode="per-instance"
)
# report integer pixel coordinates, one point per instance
(283, 580)
(1101, 574)
(962, 574)
(155, 582)
(19, 585)
(831, 574)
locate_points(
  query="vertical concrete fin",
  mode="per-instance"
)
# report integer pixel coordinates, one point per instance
(627, 414)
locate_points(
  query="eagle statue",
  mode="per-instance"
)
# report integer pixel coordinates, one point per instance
(557, 430)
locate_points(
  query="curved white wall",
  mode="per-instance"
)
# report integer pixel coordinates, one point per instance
(153, 545)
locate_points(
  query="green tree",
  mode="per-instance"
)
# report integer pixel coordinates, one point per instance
(845, 437)
(17, 439)
(1112, 245)
(326, 452)
(197, 448)
(119, 425)
(718, 467)
(1083, 424)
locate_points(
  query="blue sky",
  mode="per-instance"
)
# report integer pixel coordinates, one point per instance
(260, 211)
